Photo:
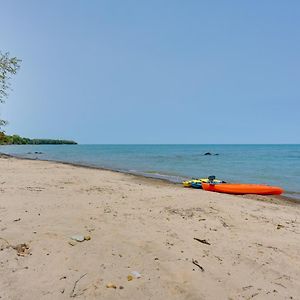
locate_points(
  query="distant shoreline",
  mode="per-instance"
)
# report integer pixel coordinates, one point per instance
(18, 140)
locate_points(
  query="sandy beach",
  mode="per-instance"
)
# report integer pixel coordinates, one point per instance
(184, 243)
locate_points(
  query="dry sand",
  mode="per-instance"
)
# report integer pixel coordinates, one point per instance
(144, 225)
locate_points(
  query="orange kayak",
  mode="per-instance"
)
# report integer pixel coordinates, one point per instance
(240, 188)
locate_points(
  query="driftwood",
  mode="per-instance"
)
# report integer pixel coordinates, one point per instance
(195, 262)
(72, 294)
(202, 241)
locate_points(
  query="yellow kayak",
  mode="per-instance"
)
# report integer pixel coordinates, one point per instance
(188, 183)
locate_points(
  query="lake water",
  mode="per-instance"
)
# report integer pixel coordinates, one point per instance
(268, 164)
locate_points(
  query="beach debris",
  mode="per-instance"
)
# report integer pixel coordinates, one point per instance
(224, 224)
(110, 285)
(202, 241)
(195, 262)
(218, 258)
(254, 295)
(2, 246)
(72, 243)
(17, 220)
(136, 274)
(129, 277)
(22, 249)
(78, 237)
(247, 287)
(279, 226)
(121, 287)
(90, 229)
(73, 294)
(107, 210)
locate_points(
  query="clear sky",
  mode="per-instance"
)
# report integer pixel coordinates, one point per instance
(154, 71)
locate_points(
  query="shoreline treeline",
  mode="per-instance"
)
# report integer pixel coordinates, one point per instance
(18, 140)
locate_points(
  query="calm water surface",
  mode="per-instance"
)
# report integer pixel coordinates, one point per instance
(269, 164)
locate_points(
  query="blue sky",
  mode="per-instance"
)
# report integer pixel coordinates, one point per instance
(154, 71)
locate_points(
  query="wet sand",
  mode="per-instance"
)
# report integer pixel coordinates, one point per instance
(185, 243)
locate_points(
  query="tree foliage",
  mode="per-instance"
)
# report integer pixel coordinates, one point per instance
(8, 67)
